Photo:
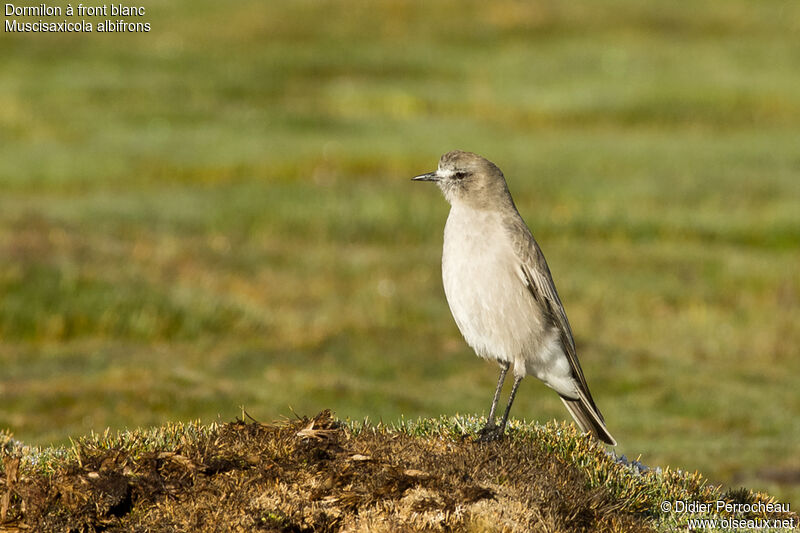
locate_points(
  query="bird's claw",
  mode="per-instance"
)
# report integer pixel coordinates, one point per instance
(490, 433)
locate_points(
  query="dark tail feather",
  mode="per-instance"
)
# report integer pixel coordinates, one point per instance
(589, 419)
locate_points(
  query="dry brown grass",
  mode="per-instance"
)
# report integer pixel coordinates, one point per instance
(313, 475)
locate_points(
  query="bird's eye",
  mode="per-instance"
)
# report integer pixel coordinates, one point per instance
(460, 175)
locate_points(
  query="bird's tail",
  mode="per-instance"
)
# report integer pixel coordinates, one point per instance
(589, 418)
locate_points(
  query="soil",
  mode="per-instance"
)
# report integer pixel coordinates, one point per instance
(312, 475)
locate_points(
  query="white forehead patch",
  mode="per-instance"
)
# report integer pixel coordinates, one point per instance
(444, 172)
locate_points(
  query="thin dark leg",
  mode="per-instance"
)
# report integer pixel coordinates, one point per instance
(503, 370)
(490, 431)
(517, 380)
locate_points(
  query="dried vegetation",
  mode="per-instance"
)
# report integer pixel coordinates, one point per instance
(320, 474)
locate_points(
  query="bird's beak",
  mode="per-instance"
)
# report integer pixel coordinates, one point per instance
(430, 176)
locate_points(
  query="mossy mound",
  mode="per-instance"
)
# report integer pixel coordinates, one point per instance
(320, 474)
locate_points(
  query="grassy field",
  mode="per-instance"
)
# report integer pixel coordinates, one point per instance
(217, 214)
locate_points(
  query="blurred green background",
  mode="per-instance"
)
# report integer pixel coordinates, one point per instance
(218, 214)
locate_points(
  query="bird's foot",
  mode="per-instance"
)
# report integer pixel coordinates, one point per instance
(490, 433)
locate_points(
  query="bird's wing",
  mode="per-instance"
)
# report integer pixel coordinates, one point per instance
(537, 277)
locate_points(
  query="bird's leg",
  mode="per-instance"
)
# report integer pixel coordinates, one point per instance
(489, 431)
(504, 366)
(517, 380)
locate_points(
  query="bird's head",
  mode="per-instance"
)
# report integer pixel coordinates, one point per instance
(470, 179)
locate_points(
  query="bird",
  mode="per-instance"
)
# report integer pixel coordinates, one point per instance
(501, 292)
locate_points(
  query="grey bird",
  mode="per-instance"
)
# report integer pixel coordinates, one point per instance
(501, 292)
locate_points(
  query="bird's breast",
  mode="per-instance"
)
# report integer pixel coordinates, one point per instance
(482, 281)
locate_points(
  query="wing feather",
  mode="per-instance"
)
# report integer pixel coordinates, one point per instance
(537, 277)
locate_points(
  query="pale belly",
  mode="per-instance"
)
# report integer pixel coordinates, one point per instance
(486, 293)
(491, 303)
